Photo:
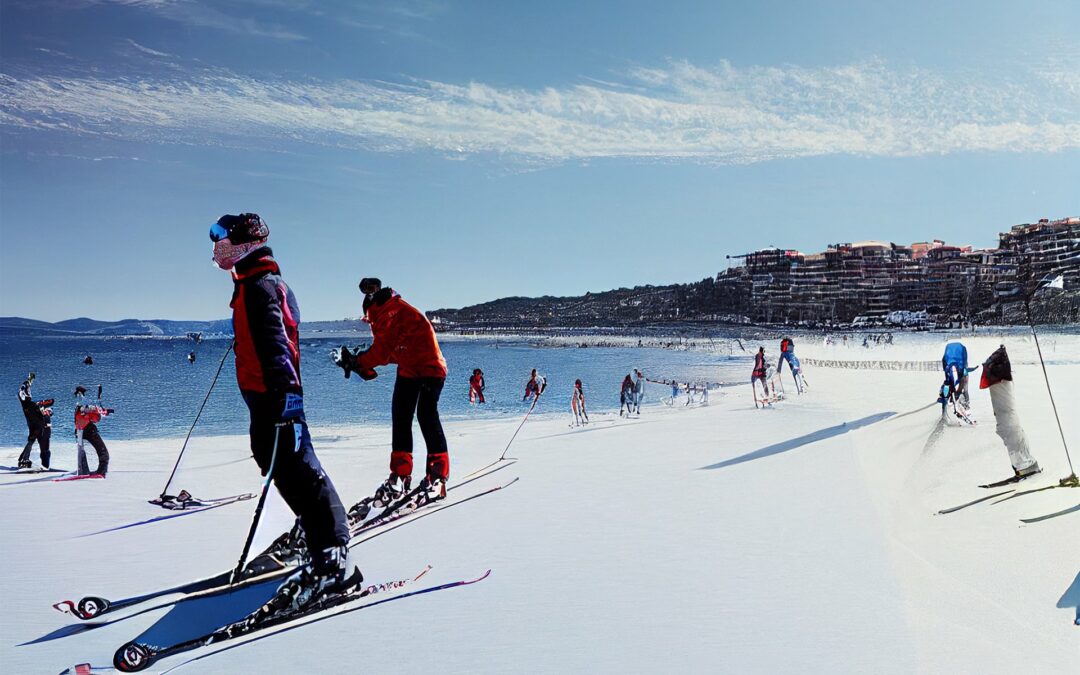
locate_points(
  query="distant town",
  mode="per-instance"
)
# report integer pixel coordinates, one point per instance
(860, 284)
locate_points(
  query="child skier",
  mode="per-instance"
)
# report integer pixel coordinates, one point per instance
(577, 404)
(86, 418)
(38, 416)
(476, 386)
(266, 323)
(403, 335)
(997, 377)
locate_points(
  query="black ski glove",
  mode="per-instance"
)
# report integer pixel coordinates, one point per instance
(343, 358)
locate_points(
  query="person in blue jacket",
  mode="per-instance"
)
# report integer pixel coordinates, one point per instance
(955, 363)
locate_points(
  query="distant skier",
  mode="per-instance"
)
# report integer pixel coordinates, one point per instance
(89, 360)
(477, 386)
(191, 357)
(760, 374)
(639, 391)
(997, 377)
(787, 353)
(535, 386)
(38, 424)
(266, 323)
(87, 415)
(955, 363)
(403, 335)
(626, 395)
(674, 392)
(577, 404)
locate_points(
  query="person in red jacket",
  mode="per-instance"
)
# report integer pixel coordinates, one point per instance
(403, 335)
(87, 416)
(476, 386)
(266, 323)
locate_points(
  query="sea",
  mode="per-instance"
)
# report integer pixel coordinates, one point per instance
(156, 392)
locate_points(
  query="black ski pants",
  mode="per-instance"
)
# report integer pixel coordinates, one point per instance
(298, 474)
(90, 435)
(41, 434)
(418, 396)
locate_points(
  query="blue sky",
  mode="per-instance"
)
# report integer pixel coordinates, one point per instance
(468, 151)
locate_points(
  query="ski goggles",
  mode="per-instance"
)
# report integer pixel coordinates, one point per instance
(218, 232)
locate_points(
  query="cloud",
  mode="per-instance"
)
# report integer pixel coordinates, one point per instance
(676, 112)
(194, 13)
(147, 50)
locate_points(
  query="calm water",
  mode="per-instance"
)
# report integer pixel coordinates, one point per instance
(156, 392)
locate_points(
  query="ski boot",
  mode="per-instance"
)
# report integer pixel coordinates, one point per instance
(288, 550)
(25, 464)
(393, 488)
(325, 576)
(1028, 471)
(431, 490)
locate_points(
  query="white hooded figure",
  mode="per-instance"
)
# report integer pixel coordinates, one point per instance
(997, 377)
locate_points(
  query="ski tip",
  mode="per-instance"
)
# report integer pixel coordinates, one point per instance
(80, 669)
(66, 607)
(483, 576)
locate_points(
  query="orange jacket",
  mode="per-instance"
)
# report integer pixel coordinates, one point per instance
(402, 335)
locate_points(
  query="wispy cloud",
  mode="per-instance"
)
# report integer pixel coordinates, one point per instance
(203, 15)
(677, 112)
(147, 50)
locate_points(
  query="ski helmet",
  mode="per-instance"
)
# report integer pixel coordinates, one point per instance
(235, 237)
(80, 391)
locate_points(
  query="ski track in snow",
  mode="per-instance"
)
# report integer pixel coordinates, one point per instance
(809, 546)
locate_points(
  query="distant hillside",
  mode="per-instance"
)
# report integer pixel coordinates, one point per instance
(704, 300)
(16, 326)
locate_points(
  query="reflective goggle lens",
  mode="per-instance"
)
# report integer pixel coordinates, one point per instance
(217, 233)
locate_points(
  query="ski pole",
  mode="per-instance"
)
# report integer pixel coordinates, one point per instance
(1071, 479)
(258, 509)
(531, 408)
(198, 414)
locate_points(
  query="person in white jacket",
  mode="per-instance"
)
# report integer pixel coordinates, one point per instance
(997, 377)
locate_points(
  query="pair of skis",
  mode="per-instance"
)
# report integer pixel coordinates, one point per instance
(137, 656)
(92, 607)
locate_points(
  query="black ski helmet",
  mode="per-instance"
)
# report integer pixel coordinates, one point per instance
(241, 229)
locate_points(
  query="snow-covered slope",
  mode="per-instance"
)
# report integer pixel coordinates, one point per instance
(801, 538)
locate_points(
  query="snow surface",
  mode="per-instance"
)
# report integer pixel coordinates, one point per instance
(801, 538)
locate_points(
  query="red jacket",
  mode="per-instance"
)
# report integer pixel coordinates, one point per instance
(266, 323)
(85, 415)
(402, 335)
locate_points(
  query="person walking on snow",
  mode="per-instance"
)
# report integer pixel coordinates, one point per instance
(759, 374)
(639, 391)
(38, 416)
(577, 404)
(86, 418)
(476, 386)
(626, 395)
(955, 363)
(266, 323)
(404, 336)
(535, 386)
(997, 377)
(787, 353)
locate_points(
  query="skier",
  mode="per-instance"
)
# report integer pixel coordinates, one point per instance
(787, 353)
(191, 357)
(38, 424)
(86, 418)
(89, 360)
(535, 386)
(577, 404)
(266, 323)
(674, 392)
(476, 386)
(639, 390)
(626, 395)
(403, 335)
(956, 371)
(997, 377)
(759, 374)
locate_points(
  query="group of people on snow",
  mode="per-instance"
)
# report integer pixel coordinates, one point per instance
(39, 416)
(997, 379)
(769, 376)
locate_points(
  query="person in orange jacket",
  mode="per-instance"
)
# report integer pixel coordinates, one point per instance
(403, 335)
